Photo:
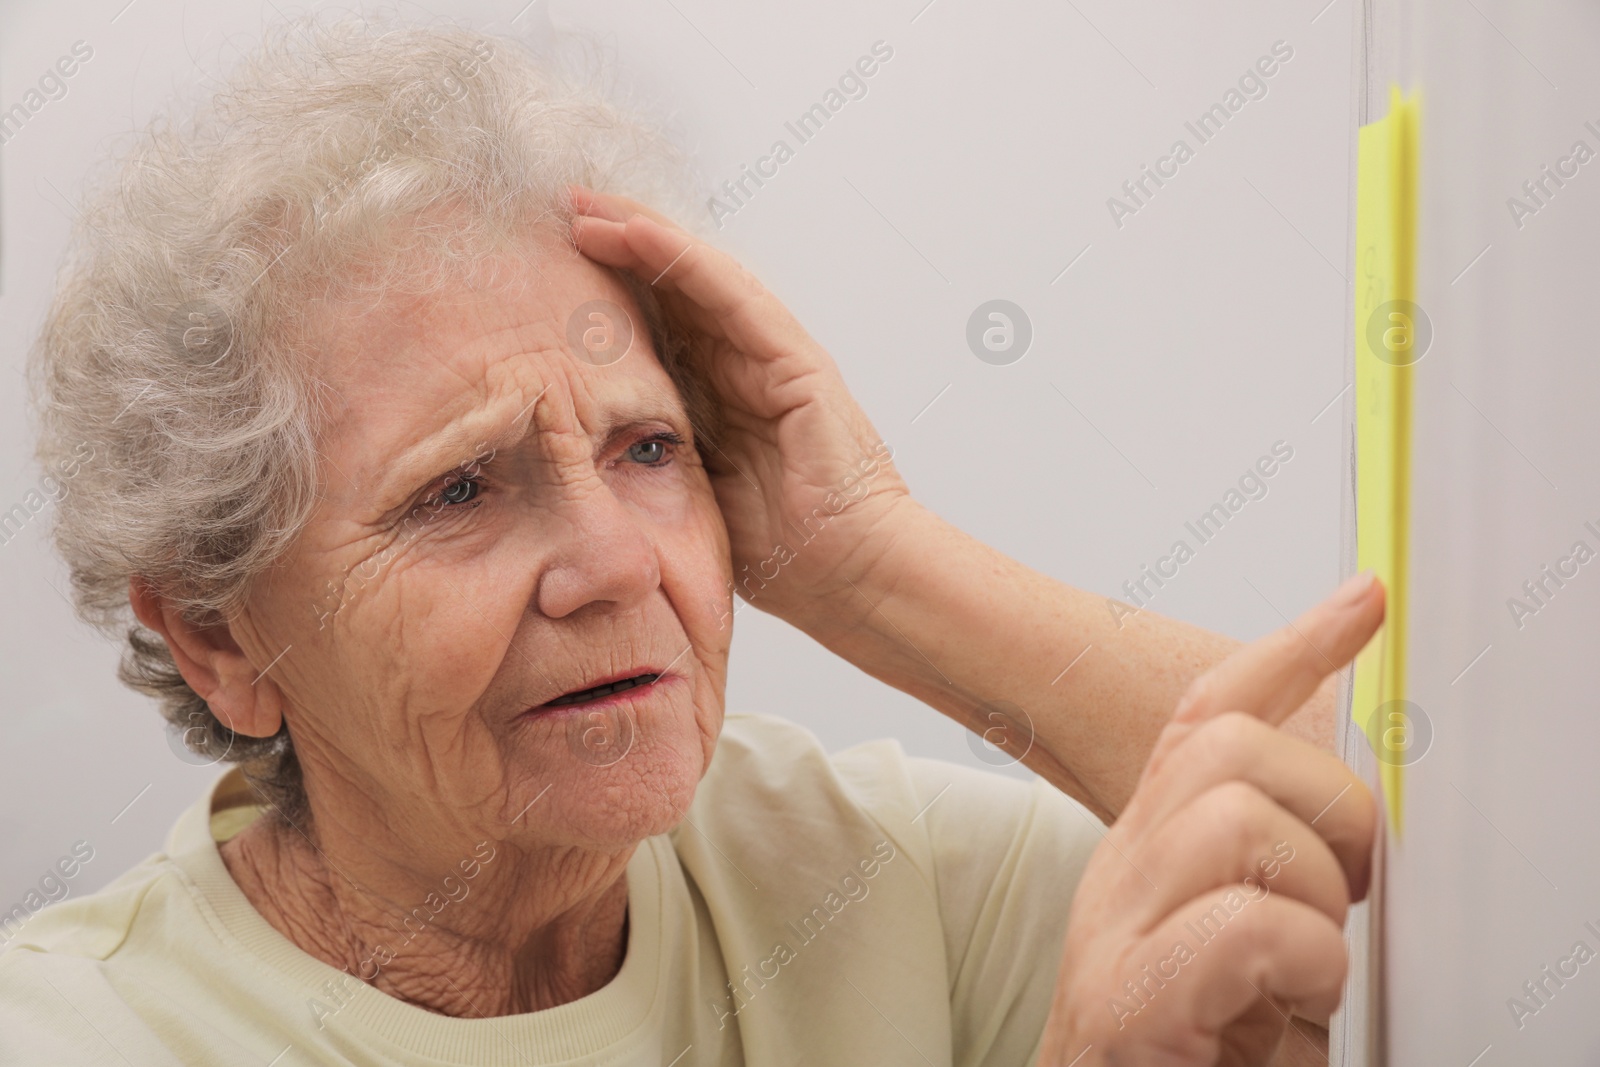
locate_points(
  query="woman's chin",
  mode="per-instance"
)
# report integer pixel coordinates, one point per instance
(624, 795)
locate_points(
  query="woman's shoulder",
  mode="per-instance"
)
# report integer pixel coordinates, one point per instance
(773, 780)
(958, 824)
(960, 875)
(764, 758)
(775, 800)
(764, 755)
(60, 997)
(92, 926)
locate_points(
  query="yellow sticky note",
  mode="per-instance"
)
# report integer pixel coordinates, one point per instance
(1390, 335)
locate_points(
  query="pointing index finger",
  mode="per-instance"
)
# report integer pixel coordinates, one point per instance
(1272, 677)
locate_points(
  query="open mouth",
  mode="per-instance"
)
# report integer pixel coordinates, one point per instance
(584, 695)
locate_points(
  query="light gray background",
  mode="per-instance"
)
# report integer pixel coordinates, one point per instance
(1497, 873)
(1171, 355)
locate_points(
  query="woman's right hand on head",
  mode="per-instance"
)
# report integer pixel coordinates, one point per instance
(1213, 908)
(797, 452)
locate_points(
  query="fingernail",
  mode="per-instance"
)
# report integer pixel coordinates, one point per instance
(1354, 588)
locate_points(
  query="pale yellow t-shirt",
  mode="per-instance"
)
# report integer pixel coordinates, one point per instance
(866, 907)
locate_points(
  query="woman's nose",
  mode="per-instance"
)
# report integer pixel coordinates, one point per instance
(603, 553)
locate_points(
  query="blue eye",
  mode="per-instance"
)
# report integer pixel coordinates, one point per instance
(654, 451)
(460, 491)
(648, 452)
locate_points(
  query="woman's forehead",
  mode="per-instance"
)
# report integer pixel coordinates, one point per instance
(538, 298)
(468, 360)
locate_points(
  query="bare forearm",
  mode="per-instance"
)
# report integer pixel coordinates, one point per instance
(977, 635)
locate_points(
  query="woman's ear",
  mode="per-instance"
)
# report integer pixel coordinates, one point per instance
(211, 661)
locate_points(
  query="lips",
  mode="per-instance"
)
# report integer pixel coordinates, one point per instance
(608, 687)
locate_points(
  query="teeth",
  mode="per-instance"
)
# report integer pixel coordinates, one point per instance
(602, 690)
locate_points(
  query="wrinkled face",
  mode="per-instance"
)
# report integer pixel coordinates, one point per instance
(504, 523)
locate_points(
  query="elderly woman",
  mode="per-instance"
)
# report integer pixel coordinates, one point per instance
(430, 466)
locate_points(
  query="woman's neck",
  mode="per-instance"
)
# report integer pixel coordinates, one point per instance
(524, 933)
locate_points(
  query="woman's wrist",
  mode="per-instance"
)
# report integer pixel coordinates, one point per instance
(897, 601)
(887, 559)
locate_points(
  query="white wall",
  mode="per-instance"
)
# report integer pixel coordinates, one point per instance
(1496, 874)
(1207, 327)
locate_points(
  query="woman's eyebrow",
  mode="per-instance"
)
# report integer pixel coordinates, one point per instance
(656, 407)
(432, 459)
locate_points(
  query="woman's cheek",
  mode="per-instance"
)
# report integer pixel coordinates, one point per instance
(417, 611)
(713, 575)
(696, 571)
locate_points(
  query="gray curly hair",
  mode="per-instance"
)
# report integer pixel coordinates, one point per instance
(170, 347)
